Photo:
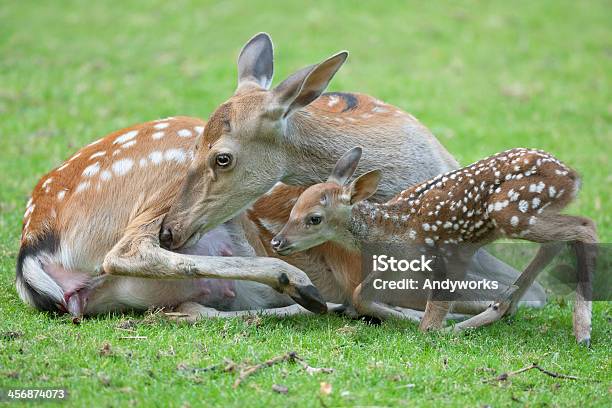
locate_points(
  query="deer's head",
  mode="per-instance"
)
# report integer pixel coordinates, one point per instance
(242, 152)
(322, 212)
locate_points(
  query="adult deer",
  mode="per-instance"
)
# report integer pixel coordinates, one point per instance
(99, 215)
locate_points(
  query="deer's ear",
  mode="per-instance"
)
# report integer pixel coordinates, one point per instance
(345, 167)
(306, 85)
(364, 186)
(256, 62)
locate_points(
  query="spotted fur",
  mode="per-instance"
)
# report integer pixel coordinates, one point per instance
(502, 195)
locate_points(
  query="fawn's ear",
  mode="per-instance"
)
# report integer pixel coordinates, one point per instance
(306, 85)
(345, 167)
(256, 62)
(364, 186)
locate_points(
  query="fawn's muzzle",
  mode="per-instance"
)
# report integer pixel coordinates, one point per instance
(281, 245)
(165, 237)
(277, 243)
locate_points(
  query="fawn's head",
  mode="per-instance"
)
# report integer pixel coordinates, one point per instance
(242, 152)
(322, 212)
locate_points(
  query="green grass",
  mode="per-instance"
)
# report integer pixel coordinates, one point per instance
(484, 76)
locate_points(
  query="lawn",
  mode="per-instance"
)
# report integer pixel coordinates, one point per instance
(483, 76)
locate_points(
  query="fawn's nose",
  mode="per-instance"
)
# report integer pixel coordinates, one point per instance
(278, 242)
(165, 237)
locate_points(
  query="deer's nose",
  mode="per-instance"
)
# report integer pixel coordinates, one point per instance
(278, 242)
(165, 237)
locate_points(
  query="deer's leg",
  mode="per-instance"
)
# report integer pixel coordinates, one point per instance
(193, 311)
(509, 301)
(585, 266)
(453, 267)
(581, 233)
(138, 254)
(367, 307)
(551, 230)
(546, 253)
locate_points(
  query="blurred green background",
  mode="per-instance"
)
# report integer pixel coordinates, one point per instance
(482, 75)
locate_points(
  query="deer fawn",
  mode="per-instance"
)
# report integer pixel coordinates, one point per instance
(92, 228)
(516, 194)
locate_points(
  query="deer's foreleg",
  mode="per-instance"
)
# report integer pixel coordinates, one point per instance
(138, 254)
(368, 307)
(191, 312)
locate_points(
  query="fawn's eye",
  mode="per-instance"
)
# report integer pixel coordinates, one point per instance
(314, 219)
(223, 160)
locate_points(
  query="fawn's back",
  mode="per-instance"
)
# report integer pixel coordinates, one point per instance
(501, 195)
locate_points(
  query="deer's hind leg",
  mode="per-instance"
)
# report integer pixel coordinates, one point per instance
(507, 304)
(581, 234)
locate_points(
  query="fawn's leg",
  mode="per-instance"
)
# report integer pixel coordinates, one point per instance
(451, 266)
(585, 266)
(551, 229)
(581, 233)
(496, 310)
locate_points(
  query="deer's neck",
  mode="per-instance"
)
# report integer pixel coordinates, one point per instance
(313, 147)
(371, 222)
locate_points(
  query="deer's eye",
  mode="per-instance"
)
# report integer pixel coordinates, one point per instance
(224, 160)
(314, 219)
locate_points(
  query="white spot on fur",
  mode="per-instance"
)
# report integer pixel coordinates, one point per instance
(535, 202)
(184, 133)
(157, 135)
(126, 137)
(552, 191)
(91, 170)
(128, 144)
(523, 206)
(532, 220)
(47, 182)
(156, 157)
(29, 210)
(60, 195)
(105, 175)
(333, 100)
(514, 221)
(176, 155)
(161, 125)
(143, 162)
(123, 166)
(75, 156)
(97, 154)
(82, 187)
(199, 129)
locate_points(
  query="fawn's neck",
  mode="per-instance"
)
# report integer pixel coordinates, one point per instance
(375, 222)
